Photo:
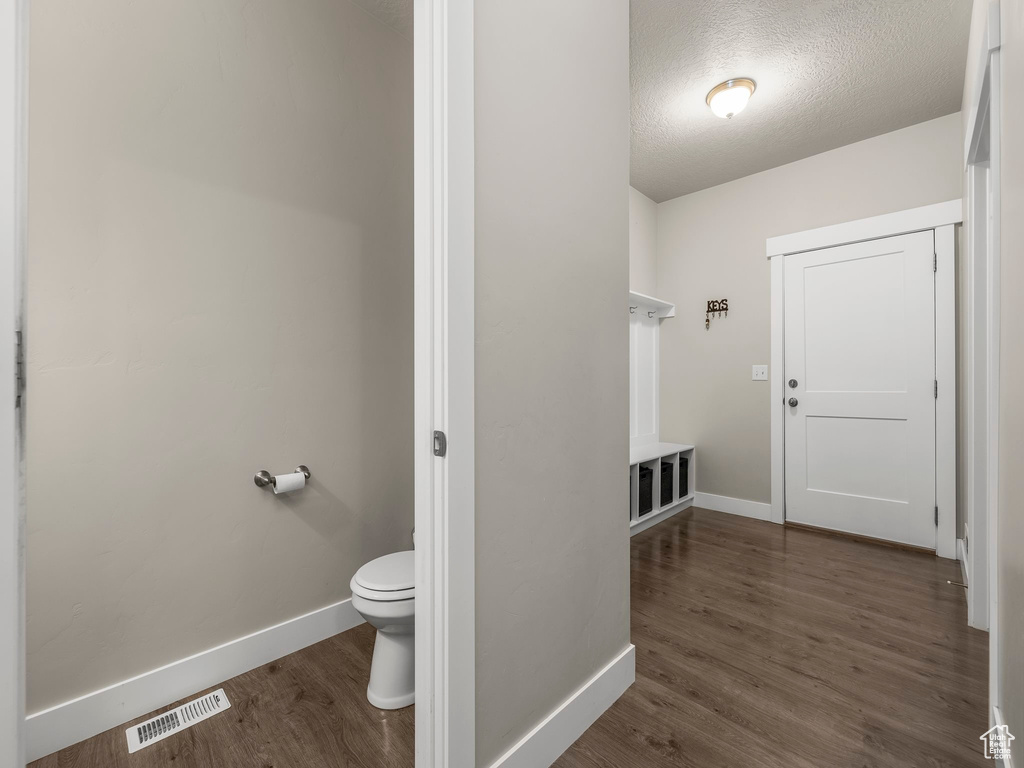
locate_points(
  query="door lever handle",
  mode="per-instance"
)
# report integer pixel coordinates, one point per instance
(793, 402)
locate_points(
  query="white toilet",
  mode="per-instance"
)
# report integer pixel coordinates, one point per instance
(383, 591)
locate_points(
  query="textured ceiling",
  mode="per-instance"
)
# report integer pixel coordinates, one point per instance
(828, 72)
(397, 14)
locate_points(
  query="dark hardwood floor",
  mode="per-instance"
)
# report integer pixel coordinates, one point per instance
(759, 645)
(308, 709)
(756, 646)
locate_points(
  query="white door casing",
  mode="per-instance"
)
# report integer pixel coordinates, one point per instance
(13, 79)
(976, 359)
(982, 160)
(860, 345)
(444, 189)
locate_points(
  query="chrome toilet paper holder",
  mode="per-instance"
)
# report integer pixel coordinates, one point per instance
(264, 479)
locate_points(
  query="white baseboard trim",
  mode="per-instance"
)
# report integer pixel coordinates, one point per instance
(73, 721)
(997, 720)
(755, 509)
(961, 555)
(557, 732)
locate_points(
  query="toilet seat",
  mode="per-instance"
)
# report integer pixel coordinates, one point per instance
(387, 578)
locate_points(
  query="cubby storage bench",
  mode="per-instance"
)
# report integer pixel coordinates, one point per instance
(661, 482)
(661, 475)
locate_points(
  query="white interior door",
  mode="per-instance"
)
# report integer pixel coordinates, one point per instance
(860, 371)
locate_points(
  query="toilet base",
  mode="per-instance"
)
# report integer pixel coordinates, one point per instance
(393, 671)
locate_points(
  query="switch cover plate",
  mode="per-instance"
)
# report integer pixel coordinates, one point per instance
(760, 373)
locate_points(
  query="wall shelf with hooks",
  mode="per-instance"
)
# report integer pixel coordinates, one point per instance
(639, 302)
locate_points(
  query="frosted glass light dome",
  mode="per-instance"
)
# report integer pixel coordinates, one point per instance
(729, 98)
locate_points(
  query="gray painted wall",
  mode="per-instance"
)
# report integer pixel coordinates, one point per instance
(219, 281)
(643, 243)
(552, 354)
(711, 245)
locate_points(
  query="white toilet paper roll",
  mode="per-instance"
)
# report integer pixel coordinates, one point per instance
(291, 482)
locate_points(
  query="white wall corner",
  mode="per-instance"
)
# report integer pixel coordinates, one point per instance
(643, 239)
(560, 729)
(79, 719)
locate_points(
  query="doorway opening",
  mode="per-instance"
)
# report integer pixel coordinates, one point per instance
(196, 163)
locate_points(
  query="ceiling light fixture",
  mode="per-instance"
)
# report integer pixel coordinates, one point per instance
(729, 98)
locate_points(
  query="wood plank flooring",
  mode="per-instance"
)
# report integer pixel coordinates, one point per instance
(308, 709)
(756, 646)
(759, 645)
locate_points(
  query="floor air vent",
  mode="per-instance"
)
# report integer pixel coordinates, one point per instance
(162, 726)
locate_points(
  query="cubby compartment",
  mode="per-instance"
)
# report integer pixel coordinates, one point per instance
(668, 479)
(648, 487)
(661, 481)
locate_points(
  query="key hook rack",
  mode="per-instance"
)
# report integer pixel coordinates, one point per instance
(715, 306)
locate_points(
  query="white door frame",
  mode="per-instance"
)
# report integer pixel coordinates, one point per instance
(444, 383)
(942, 218)
(983, 118)
(974, 543)
(13, 77)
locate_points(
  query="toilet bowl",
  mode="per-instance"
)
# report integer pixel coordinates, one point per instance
(383, 591)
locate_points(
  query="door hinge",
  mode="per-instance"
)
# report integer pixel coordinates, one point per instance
(19, 368)
(936, 515)
(440, 443)
(936, 389)
(935, 262)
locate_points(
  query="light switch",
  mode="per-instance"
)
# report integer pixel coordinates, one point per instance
(760, 373)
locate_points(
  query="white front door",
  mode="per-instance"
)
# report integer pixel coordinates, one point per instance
(860, 379)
